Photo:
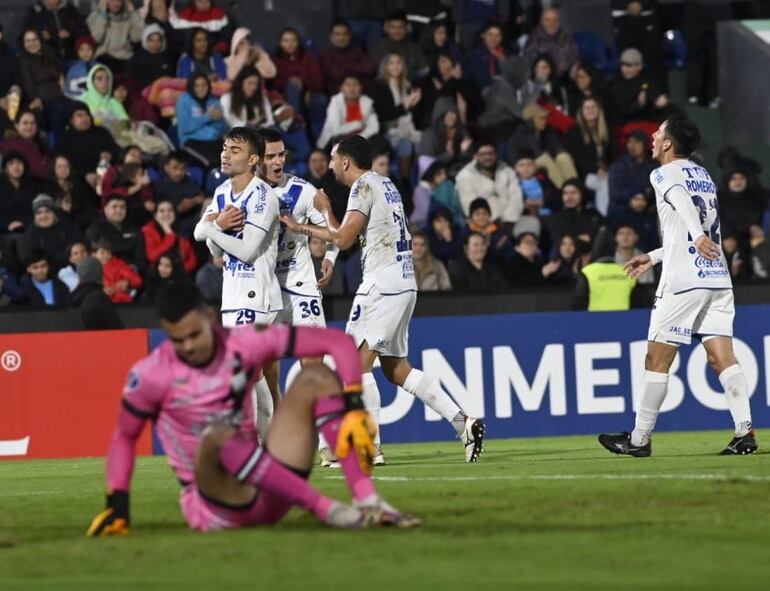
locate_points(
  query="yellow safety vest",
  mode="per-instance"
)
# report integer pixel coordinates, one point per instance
(609, 288)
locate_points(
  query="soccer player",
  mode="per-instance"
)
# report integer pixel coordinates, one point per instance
(193, 387)
(694, 297)
(300, 289)
(384, 302)
(241, 225)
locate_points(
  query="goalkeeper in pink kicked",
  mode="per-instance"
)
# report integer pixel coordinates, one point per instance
(195, 387)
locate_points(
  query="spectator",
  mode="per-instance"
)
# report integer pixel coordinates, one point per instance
(444, 238)
(139, 109)
(105, 110)
(113, 227)
(486, 61)
(167, 269)
(93, 309)
(175, 185)
(636, 27)
(626, 240)
(10, 292)
(29, 142)
(115, 26)
(160, 235)
(485, 177)
(299, 79)
(42, 80)
(541, 197)
(133, 182)
(349, 113)
(207, 15)
(634, 95)
(544, 85)
(629, 175)
(121, 281)
(365, 18)
(446, 139)
(343, 59)
(209, 280)
(603, 285)
(544, 141)
(200, 121)
(591, 145)
(563, 268)
(741, 205)
(75, 200)
(16, 194)
(524, 267)
(549, 38)
(48, 233)
(760, 254)
(76, 252)
(151, 61)
(40, 289)
(480, 222)
(75, 83)
(336, 285)
(435, 41)
(474, 273)
(431, 274)
(128, 155)
(394, 99)
(199, 57)
(445, 80)
(162, 13)
(245, 52)
(585, 83)
(397, 41)
(739, 271)
(317, 167)
(58, 23)
(10, 74)
(575, 217)
(86, 144)
(433, 191)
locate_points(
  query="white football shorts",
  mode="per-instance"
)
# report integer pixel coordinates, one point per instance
(382, 321)
(699, 313)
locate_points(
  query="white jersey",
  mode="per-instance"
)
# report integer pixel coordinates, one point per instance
(294, 269)
(683, 268)
(244, 286)
(386, 260)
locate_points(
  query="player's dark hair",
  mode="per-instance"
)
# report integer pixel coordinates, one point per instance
(250, 136)
(358, 149)
(683, 133)
(177, 300)
(270, 136)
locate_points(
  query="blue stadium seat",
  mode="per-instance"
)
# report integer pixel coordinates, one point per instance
(213, 180)
(593, 51)
(196, 174)
(675, 49)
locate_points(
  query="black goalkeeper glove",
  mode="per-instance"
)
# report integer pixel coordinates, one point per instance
(114, 520)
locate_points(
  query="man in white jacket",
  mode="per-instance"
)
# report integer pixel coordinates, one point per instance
(495, 181)
(349, 113)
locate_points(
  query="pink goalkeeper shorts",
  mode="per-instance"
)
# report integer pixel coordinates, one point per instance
(204, 514)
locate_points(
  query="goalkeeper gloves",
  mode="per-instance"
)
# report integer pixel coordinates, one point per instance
(356, 434)
(114, 520)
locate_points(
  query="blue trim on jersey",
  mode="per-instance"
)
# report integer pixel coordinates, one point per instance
(221, 201)
(706, 288)
(399, 292)
(256, 226)
(251, 310)
(302, 295)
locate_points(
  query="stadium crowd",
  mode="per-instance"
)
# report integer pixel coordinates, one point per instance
(513, 151)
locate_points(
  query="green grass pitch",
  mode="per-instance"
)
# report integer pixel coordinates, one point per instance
(541, 514)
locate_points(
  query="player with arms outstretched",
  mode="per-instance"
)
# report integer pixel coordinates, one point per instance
(694, 297)
(194, 387)
(384, 302)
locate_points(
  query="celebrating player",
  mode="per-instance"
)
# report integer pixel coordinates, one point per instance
(384, 302)
(694, 297)
(193, 386)
(241, 224)
(295, 271)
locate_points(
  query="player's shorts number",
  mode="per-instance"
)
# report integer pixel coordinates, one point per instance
(246, 317)
(310, 308)
(356, 313)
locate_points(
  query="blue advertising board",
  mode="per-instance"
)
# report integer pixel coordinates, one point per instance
(565, 373)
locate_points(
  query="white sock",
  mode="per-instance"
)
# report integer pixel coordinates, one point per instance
(655, 389)
(263, 402)
(322, 443)
(371, 398)
(429, 391)
(737, 394)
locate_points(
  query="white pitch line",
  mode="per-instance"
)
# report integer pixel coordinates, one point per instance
(707, 477)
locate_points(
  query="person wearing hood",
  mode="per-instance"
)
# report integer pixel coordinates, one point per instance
(16, 193)
(343, 58)
(549, 38)
(207, 15)
(162, 13)
(116, 26)
(200, 120)
(42, 79)
(446, 139)
(59, 23)
(152, 60)
(28, 140)
(92, 308)
(84, 143)
(349, 113)
(742, 204)
(245, 52)
(199, 56)
(105, 110)
(77, 74)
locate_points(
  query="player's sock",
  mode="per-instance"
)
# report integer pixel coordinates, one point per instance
(328, 414)
(655, 388)
(371, 398)
(737, 395)
(430, 392)
(242, 457)
(264, 406)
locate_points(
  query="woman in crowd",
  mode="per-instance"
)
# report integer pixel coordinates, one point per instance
(431, 274)
(564, 266)
(200, 121)
(245, 52)
(116, 27)
(73, 197)
(445, 79)
(167, 269)
(28, 140)
(200, 57)
(42, 80)
(544, 86)
(160, 236)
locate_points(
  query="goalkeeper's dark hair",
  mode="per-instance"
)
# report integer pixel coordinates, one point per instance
(179, 299)
(270, 136)
(358, 149)
(250, 136)
(683, 133)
